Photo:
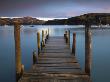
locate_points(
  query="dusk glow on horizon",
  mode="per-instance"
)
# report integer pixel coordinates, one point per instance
(52, 8)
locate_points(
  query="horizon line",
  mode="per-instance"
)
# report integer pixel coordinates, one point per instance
(47, 18)
(40, 18)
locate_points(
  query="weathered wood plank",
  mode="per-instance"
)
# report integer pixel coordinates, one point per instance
(69, 54)
(60, 64)
(57, 77)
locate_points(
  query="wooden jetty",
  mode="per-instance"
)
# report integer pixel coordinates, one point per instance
(55, 61)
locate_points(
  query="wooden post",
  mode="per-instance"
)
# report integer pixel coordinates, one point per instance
(48, 34)
(38, 42)
(87, 49)
(66, 36)
(43, 42)
(46, 37)
(48, 31)
(22, 69)
(34, 57)
(41, 45)
(42, 35)
(17, 49)
(74, 44)
(69, 37)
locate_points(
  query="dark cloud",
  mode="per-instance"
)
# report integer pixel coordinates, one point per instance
(52, 8)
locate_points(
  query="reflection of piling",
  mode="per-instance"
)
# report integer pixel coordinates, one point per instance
(38, 42)
(17, 49)
(87, 49)
(74, 44)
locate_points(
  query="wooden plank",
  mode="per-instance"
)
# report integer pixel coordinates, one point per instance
(56, 59)
(56, 80)
(57, 54)
(57, 65)
(60, 77)
(55, 74)
(55, 47)
(55, 51)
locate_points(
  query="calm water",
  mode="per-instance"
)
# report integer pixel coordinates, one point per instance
(100, 50)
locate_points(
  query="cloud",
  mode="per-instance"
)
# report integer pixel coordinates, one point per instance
(52, 8)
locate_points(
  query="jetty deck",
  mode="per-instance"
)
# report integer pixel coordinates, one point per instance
(56, 63)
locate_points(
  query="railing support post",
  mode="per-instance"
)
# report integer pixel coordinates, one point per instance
(69, 38)
(43, 42)
(87, 49)
(17, 49)
(48, 34)
(38, 42)
(34, 57)
(74, 44)
(46, 37)
(66, 36)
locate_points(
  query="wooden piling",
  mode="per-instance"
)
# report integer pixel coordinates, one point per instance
(38, 42)
(42, 35)
(17, 49)
(34, 57)
(74, 44)
(22, 69)
(48, 34)
(69, 37)
(48, 31)
(41, 45)
(66, 36)
(46, 37)
(87, 49)
(43, 39)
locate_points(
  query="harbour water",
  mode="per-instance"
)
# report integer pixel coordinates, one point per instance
(100, 49)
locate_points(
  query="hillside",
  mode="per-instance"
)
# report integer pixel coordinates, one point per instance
(94, 18)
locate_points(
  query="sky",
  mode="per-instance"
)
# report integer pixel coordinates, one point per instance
(52, 8)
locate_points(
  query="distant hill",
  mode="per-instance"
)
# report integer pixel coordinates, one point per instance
(94, 18)
(25, 21)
